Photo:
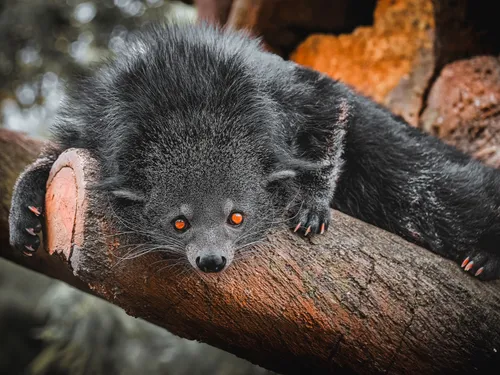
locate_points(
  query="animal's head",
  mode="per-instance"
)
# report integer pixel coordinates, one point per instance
(203, 195)
(197, 170)
(182, 128)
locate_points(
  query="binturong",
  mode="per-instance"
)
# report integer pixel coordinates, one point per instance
(206, 142)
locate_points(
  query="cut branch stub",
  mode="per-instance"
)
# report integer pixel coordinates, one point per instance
(357, 300)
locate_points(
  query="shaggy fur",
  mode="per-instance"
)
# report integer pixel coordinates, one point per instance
(195, 123)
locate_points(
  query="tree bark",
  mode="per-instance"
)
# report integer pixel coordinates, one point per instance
(456, 29)
(16, 151)
(357, 300)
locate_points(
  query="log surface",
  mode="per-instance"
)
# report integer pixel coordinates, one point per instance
(357, 300)
(16, 151)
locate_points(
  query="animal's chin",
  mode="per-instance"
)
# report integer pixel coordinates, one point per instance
(211, 274)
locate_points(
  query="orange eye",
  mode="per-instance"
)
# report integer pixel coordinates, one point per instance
(181, 224)
(236, 218)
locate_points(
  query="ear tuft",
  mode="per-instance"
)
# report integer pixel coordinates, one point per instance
(128, 195)
(281, 175)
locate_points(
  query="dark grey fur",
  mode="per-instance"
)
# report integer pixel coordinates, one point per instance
(195, 121)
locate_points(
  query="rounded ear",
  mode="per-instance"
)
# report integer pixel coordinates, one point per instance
(281, 175)
(128, 195)
(115, 187)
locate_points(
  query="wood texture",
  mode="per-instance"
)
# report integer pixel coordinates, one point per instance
(16, 151)
(358, 300)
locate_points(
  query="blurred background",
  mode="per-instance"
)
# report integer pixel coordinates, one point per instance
(434, 62)
(45, 42)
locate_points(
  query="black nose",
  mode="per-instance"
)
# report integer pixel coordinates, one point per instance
(211, 263)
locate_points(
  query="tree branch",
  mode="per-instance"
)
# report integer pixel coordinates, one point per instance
(357, 300)
(16, 151)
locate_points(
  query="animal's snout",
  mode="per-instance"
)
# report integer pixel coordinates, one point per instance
(211, 263)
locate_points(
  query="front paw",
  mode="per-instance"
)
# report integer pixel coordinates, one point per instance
(311, 217)
(484, 265)
(25, 226)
